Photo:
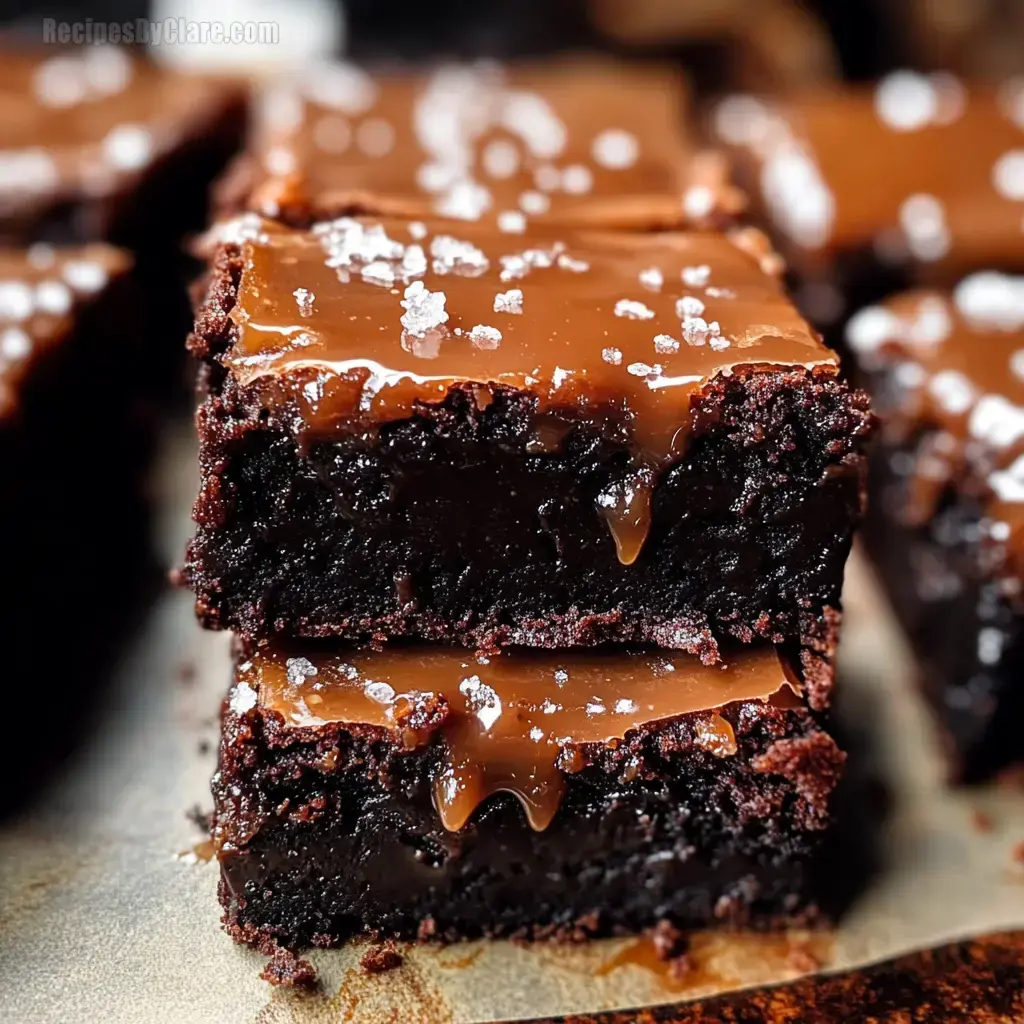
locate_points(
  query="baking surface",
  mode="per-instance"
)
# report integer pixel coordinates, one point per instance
(101, 919)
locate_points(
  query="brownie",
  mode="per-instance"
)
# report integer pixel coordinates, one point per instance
(424, 792)
(73, 443)
(946, 371)
(571, 141)
(619, 437)
(868, 189)
(98, 145)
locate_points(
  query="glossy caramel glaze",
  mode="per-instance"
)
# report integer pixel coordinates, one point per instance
(357, 321)
(577, 141)
(508, 722)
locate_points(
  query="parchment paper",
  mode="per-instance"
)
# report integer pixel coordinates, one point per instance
(102, 921)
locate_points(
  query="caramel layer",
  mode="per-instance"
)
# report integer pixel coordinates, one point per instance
(358, 321)
(513, 720)
(576, 141)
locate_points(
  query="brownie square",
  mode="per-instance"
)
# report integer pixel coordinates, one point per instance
(74, 440)
(867, 189)
(602, 437)
(574, 141)
(98, 145)
(430, 793)
(947, 480)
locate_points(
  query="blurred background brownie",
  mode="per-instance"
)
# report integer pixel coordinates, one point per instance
(583, 141)
(74, 442)
(946, 521)
(99, 145)
(866, 189)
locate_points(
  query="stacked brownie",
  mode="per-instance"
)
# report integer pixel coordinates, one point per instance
(530, 524)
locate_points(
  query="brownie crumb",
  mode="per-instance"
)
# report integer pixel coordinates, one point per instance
(285, 968)
(1017, 853)
(200, 818)
(669, 942)
(981, 821)
(379, 959)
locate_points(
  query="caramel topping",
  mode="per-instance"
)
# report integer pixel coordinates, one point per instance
(358, 321)
(578, 141)
(514, 721)
(919, 167)
(84, 121)
(956, 366)
(40, 290)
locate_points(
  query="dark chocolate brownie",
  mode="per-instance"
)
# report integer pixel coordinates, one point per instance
(73, 442)
(573, 141)
(947, 375)
(866, 189)
(97, 145)
(425, 792)
(650, 446)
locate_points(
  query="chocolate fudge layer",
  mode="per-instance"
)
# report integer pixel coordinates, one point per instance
(96, 145)
(946, 527)
(609, 437)
(918, 177)
(580, 141)
(72, 448)
(424, 792)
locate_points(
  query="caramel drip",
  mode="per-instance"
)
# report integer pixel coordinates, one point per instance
(589, 342)
(514, 721)
(627, 511)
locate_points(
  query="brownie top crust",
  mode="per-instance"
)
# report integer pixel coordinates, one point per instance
(41, 289)
(919, 168)
(950, 367)
(510, 722)
(574, 141)
(87, 123)
(358, 322)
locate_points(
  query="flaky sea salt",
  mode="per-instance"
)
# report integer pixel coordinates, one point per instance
(665, 344)
(577, 179)
(512, 222)
(298, 670)
(455, 256)
(615, 149)
(424, 309)
(612, 356)
(509, 302)
(243, 699)
(689, 306)
(128, 146)
(696, 277)
(534, 203)
(567, 262)
(652, 277)
(485, 337)
(633, 310)
(15, 344)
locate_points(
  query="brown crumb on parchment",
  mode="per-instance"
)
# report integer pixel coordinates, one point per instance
(379, 959)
